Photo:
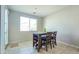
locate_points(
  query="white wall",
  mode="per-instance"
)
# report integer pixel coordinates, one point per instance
(14, 27)
(66, 22)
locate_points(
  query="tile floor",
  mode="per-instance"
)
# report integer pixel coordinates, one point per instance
(26, 48)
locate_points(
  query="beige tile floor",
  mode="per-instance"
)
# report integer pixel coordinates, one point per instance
(26, 48)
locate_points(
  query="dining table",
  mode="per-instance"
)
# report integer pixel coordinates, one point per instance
(49, 36)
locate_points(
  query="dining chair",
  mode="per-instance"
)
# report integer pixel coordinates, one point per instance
(46, 39)
(53, 40)
(49, 37)
(35, 40)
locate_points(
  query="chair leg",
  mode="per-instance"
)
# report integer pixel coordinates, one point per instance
(33, 43)
(53, 46)
(50, 44)
(55, 42)
(39, 45)
(38, 49)
(46, 47)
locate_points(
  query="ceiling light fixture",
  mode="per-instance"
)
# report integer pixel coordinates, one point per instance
(35, 9)
(34, 12)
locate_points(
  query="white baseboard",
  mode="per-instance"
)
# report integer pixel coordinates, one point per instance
(69, 44)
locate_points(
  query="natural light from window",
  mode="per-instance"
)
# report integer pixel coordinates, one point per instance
(28, 24)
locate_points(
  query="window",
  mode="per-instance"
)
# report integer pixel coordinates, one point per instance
(28, 24)
(24, 24)
(6, 26)
(33, 25)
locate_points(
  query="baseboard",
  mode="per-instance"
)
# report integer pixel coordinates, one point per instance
(69, 44)
(19, 42)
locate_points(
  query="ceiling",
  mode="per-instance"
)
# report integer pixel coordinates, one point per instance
(37, 10)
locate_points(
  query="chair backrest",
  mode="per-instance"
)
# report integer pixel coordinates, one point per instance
(54, 34)
(35, 37)
(49, 35)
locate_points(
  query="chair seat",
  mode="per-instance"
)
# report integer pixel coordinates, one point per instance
(35, 38)
(43, 37)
